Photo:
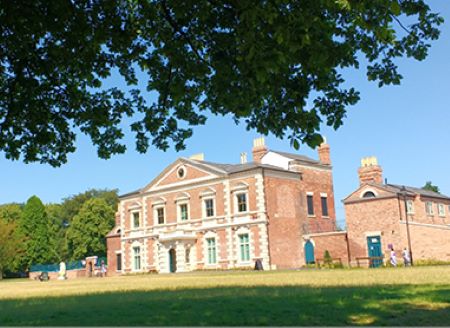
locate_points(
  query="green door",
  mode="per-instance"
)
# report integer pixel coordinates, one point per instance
(172, 260)
(374, 248)
(309, 252)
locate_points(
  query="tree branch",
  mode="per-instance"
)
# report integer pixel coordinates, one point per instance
(176, 28)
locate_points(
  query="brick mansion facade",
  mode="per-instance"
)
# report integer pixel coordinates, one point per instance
(278, 209)
(202, 215)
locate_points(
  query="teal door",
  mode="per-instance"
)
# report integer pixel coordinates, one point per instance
(309, 252)
(172, 260)
(374, 247)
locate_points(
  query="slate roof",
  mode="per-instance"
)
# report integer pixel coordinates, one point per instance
(296, 157)
(414, 190)
(235, 168)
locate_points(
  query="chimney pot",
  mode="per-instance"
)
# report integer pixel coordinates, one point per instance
(243, 158)
(370, 171)
(324, 152)
(259, 149)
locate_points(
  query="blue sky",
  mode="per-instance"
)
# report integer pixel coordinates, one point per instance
(406, 127)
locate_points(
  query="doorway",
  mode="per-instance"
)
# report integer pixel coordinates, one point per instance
(374, 249)
(309, 253)
(172, 260)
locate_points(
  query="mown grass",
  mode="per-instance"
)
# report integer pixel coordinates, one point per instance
(402, 296)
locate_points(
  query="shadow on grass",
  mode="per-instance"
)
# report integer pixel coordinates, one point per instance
(229, 306)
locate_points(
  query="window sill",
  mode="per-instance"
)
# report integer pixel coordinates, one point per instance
(311, 216)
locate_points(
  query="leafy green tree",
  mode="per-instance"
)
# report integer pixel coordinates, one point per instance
(72, 205)
(10, 246)
(57, 232)
(11, 212)
(429, 186)
(87, 233)
(34, 229)
(274, 65)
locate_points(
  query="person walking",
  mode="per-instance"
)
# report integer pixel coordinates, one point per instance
(406, 258)
(103, 268)
(393, 258)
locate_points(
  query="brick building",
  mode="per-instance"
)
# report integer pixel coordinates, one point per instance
(377, 219)
(202, 215)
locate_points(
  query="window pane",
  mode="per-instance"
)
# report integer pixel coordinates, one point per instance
(324, 206)
(184, 212)
(244, 247)
(310, 204)
(209, 207)
(136, 220)
(160, 212)
(119, 262)
(211, 242)
(137, 258)
(242, 202)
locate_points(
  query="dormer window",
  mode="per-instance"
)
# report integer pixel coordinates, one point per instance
(369, 194)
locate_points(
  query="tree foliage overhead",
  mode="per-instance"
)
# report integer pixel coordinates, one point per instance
(272, 64)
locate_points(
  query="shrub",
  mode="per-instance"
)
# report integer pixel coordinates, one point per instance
(327, 259)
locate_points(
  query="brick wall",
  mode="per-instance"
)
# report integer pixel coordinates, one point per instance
(112, 245)
(335, 243)
(373, 217)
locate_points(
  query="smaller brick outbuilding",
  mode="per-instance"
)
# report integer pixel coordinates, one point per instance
(382, 216)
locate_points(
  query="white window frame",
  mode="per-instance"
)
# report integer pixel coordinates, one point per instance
(409, 206)
(236, 201)
(242, 260)
(208, 248)
(429, 208)
(204, 211)
(155, 214)
(441, 210)
(179, 204)
(132, 214)
(133, 248)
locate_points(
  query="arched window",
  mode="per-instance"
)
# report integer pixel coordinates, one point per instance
(369, 194)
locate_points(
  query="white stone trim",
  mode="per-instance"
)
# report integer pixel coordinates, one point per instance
(324, 194)
(361, 194)
(309, 193)
(372, 234)
(260, 196)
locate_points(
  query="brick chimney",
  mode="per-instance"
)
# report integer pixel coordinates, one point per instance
(259, 149)
(370, 171)
(324, 152)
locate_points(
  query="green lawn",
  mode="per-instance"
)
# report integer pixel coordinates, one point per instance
(411, 296)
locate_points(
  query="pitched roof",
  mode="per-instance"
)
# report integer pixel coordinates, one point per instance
(297, 157)
(235, 168)
(224, 168)
(420, 191)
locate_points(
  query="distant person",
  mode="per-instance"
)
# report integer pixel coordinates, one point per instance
(393, 258)
(103, 268)
(406, 258)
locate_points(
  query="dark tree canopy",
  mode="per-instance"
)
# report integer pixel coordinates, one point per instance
(271, 64)
(429, 186)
